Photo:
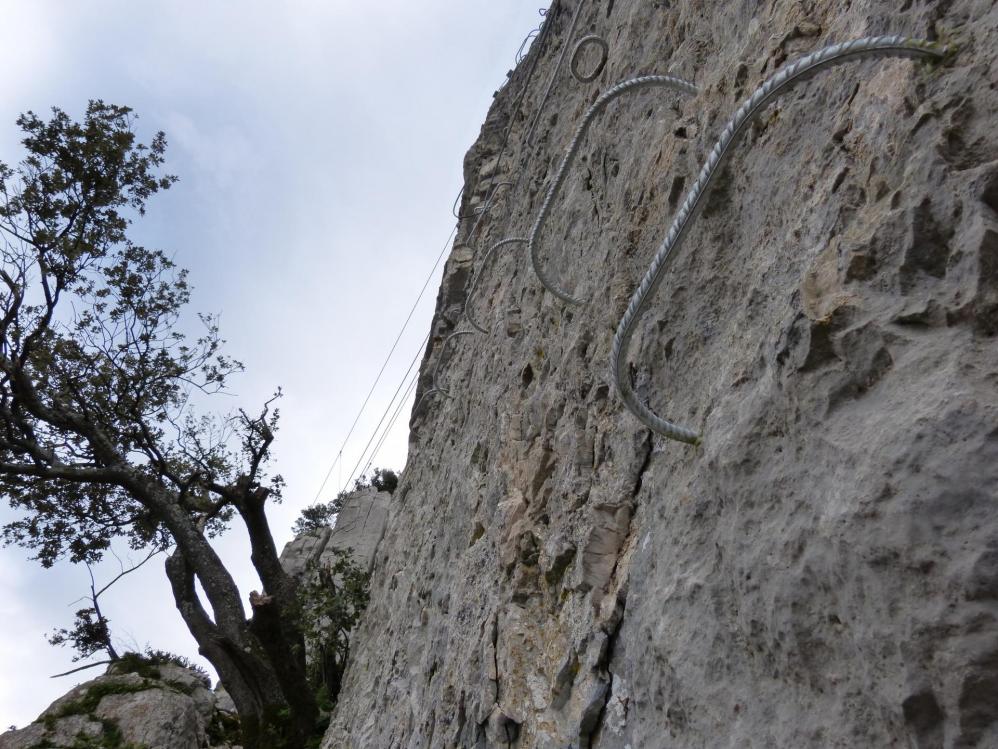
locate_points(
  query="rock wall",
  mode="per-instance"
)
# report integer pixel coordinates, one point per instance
(823, 569)
(158, 707)
(359, 526)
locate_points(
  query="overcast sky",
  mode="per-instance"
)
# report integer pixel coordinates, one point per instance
(319, 146)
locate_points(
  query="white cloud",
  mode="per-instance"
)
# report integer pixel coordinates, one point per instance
(29, 49)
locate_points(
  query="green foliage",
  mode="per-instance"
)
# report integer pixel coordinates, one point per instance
(331, 599)
(93, 356)
(92, 697)
(164, 657)
(136, 663)
(270, 730)
(98, 442)
(89, 635)
(64, 210)
(224, 730)
(318, 516)
(110, 738)
(382, 479)
(147, 666)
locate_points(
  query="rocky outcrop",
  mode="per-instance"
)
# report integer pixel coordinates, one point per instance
(166, 706)
(822, 570)
(160, 706)
(358, 527)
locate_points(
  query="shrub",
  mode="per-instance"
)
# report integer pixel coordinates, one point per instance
(331, 599)
(146, 664)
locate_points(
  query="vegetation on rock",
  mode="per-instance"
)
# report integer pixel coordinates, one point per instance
(331, 598)
(321, 515)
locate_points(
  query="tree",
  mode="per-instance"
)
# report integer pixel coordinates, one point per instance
(383, 479)
(91, 633)
(97, 438)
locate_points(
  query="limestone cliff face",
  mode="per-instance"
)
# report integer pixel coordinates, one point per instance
(823, 570)
(359, 526)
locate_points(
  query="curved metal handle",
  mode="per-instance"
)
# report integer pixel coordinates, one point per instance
(436, 368)
(427, 394)
(779, 83)
(632, 84)
(443, 350)
(478, 276)
(457, 203)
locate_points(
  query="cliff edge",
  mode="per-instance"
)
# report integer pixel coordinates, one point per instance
(823, 569)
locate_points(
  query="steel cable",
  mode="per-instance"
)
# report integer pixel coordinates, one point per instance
(457, 203)
(483, 211)
(541, 37)
(632, 84)
(360, 460)
(436, 368)
(540, 34)
(391, 422)
(443, 351)
(478, 276)
(782, 81)
(557, 67)
(545, 29)
(384, 364)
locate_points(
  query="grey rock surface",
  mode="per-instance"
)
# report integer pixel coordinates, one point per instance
(174, 710)
(823, 571)
(359, 526)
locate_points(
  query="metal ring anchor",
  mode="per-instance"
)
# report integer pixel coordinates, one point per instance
(779, 83)
(631, 84)
(577, 57)
(478, 276)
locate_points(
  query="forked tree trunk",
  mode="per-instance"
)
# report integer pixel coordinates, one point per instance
(242, 667)
(260, 661)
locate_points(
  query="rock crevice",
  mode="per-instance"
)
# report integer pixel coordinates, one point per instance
(817, 572)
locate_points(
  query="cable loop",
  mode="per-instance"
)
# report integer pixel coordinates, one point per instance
(577, 55)
(436, 368)
(482, 210)
(779, 83)
(478, 276)
(443, 351)
(631, 84)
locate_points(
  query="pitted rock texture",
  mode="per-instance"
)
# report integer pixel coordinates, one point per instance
(823, 571)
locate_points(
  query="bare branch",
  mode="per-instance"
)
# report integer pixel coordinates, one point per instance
(81, 668)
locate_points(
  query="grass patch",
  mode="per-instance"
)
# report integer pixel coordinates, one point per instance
(88, 702)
